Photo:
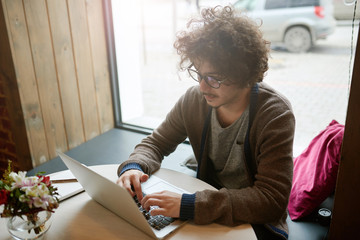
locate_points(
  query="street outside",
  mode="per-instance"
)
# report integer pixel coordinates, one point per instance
(317, 83)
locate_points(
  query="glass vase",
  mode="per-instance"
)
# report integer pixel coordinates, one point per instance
(31, 226)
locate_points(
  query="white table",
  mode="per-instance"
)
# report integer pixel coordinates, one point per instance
(80, 217)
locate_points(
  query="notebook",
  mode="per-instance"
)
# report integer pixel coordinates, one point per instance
(118, 200)
(65, 190)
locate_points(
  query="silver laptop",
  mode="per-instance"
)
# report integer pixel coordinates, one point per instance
(118, 200)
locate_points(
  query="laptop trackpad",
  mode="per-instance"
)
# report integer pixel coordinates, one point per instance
(155, 184)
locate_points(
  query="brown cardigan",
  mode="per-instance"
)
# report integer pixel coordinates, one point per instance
(271, 142)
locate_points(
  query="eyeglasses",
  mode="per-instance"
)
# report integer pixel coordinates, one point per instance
(211, 81)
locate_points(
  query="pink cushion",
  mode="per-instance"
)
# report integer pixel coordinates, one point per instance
(315, 171)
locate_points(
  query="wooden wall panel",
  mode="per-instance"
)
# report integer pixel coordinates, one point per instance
(64, 58)
(60, 59)
(83, 62)
(27, 83)
(100, 63)
(45, 70)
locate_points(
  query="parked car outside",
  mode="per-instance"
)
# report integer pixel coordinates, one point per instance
(297, 24)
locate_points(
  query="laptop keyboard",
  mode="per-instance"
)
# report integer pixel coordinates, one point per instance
(157, 222)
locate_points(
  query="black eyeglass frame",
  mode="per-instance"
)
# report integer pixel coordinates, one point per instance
(200, 77)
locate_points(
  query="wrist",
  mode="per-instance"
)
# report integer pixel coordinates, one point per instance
(130, 166)
(187, 206)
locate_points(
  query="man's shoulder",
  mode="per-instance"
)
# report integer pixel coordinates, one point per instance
(271, 96)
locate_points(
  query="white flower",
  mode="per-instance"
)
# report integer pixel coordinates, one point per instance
(20, 180)
(36, 191)
(31, 181)
(39, 195)
(39, 202)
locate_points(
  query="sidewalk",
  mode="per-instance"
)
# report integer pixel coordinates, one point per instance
(317, 83)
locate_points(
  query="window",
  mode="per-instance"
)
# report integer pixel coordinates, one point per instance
(274, 4)
(149, 80)
(245, 4)
(315, 81)
(304, 3)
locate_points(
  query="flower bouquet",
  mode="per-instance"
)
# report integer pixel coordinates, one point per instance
(24, 198)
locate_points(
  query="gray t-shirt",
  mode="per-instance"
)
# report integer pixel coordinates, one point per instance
(227, 151)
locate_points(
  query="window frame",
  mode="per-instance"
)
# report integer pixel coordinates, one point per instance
(113, 72)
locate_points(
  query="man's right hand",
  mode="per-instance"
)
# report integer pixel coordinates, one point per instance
(131, 180)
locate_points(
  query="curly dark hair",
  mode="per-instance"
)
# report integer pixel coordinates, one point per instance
(232, 43)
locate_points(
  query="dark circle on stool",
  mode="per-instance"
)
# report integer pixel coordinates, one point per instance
(324, 216)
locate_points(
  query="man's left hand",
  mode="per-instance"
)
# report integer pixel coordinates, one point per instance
(168, 203)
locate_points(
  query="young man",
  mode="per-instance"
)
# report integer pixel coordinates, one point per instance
(240, 129)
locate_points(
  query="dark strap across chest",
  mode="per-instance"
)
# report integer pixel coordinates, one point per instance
(247, 149)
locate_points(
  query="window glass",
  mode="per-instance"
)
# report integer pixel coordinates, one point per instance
(314, 76)
(273, 4)
(245, 4)
(304, 3)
